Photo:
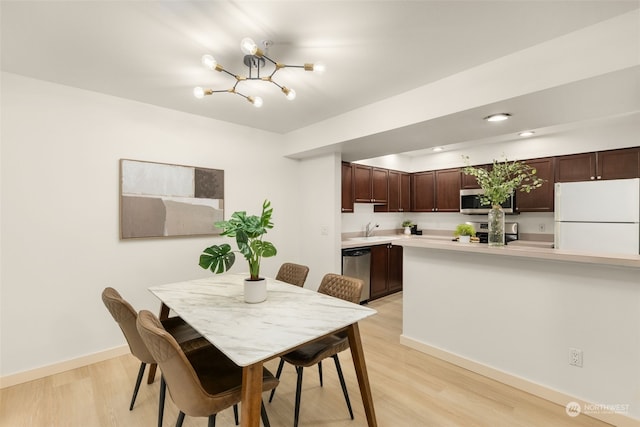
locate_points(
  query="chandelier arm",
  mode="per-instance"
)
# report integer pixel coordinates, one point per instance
(231, 74)
(269, 59)
(275, 83)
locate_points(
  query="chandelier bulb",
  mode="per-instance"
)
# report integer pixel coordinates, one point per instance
(209, 62)
(198, 92)
(319, 68)
(248, 46)
(289, 93)
(255, 100)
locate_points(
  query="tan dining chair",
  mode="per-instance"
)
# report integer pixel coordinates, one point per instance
(343, 287)
(294, 274)
(202, 382)
(125, 315)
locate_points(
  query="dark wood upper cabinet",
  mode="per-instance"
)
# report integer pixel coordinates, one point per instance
(436, 191)
(347, 187)
(369, 184)
(379, 185)
(405, 192)
(362, 176)
(399, 193)
(470, 181)
(423, 192)
(541, 199)
(447, 192)
(618, 164)
(611, 164)
(576, 167)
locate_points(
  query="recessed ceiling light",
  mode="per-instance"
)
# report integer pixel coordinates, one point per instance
(526, 133)
(438, 148)
(497, 117)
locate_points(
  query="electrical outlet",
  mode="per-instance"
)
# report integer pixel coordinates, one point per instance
(324, 230)
(541, 228)
(575, 357)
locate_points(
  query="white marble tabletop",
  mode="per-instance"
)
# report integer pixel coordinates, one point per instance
(250, 333)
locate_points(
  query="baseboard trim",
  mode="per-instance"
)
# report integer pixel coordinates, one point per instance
(56, 368)
(520, 383)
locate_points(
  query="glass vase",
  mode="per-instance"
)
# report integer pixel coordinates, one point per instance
(496, 226)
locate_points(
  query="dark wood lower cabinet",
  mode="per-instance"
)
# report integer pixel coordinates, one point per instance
(386, 270)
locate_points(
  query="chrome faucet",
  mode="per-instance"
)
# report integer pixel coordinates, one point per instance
(369, 229)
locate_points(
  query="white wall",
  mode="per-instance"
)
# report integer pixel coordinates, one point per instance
(60, 247)
(318, 211)
(521, 316)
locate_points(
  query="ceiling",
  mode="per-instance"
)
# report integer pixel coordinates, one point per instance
(149, 51)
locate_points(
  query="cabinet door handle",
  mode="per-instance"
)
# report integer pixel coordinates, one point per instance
(593, 177)
(599, 177)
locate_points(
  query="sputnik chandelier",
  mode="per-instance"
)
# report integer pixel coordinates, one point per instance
(255, 59)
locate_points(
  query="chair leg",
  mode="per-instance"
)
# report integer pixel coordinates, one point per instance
(180, 419)
(235, 414)
(152, 373)
(212, 420)
(320, 371)
(343, 384)
(163, 390)
(278, 372)
(298, 393)
(138, 381)
(263, 415)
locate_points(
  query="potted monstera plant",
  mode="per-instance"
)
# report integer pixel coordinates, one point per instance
(248, 230)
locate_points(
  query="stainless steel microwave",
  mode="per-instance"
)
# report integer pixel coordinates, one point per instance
(470, 203)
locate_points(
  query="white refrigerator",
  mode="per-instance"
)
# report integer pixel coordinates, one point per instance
(600, 217)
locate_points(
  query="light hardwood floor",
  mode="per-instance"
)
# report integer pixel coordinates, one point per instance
(410, 389)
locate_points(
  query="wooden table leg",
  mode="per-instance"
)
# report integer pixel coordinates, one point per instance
(361, 372)
(164, 314)
(251, 395)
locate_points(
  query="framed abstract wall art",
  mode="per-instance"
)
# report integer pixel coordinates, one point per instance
(164, 200)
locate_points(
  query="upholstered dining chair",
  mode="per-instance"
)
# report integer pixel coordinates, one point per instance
(294, 274)
(202, 382)
(124, 314)
(343, 287)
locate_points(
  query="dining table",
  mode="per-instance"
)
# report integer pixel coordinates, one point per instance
(251, 334)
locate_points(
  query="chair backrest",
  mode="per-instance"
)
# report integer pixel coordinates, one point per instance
(183, 383)
(343, 287)
(294, 274)
(123, 313)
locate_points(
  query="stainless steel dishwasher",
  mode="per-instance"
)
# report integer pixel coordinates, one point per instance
(356, 263)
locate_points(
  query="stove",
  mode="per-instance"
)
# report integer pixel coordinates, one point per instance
(482, 231)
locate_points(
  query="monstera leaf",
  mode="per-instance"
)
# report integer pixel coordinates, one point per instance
(218, 259)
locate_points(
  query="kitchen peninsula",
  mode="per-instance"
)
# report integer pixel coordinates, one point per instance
(514, 313)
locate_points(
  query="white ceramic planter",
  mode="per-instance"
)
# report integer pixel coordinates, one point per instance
(464, 239)
(255, 291)
(407, 230)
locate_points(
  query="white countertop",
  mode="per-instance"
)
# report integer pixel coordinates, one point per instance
(521, 251)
